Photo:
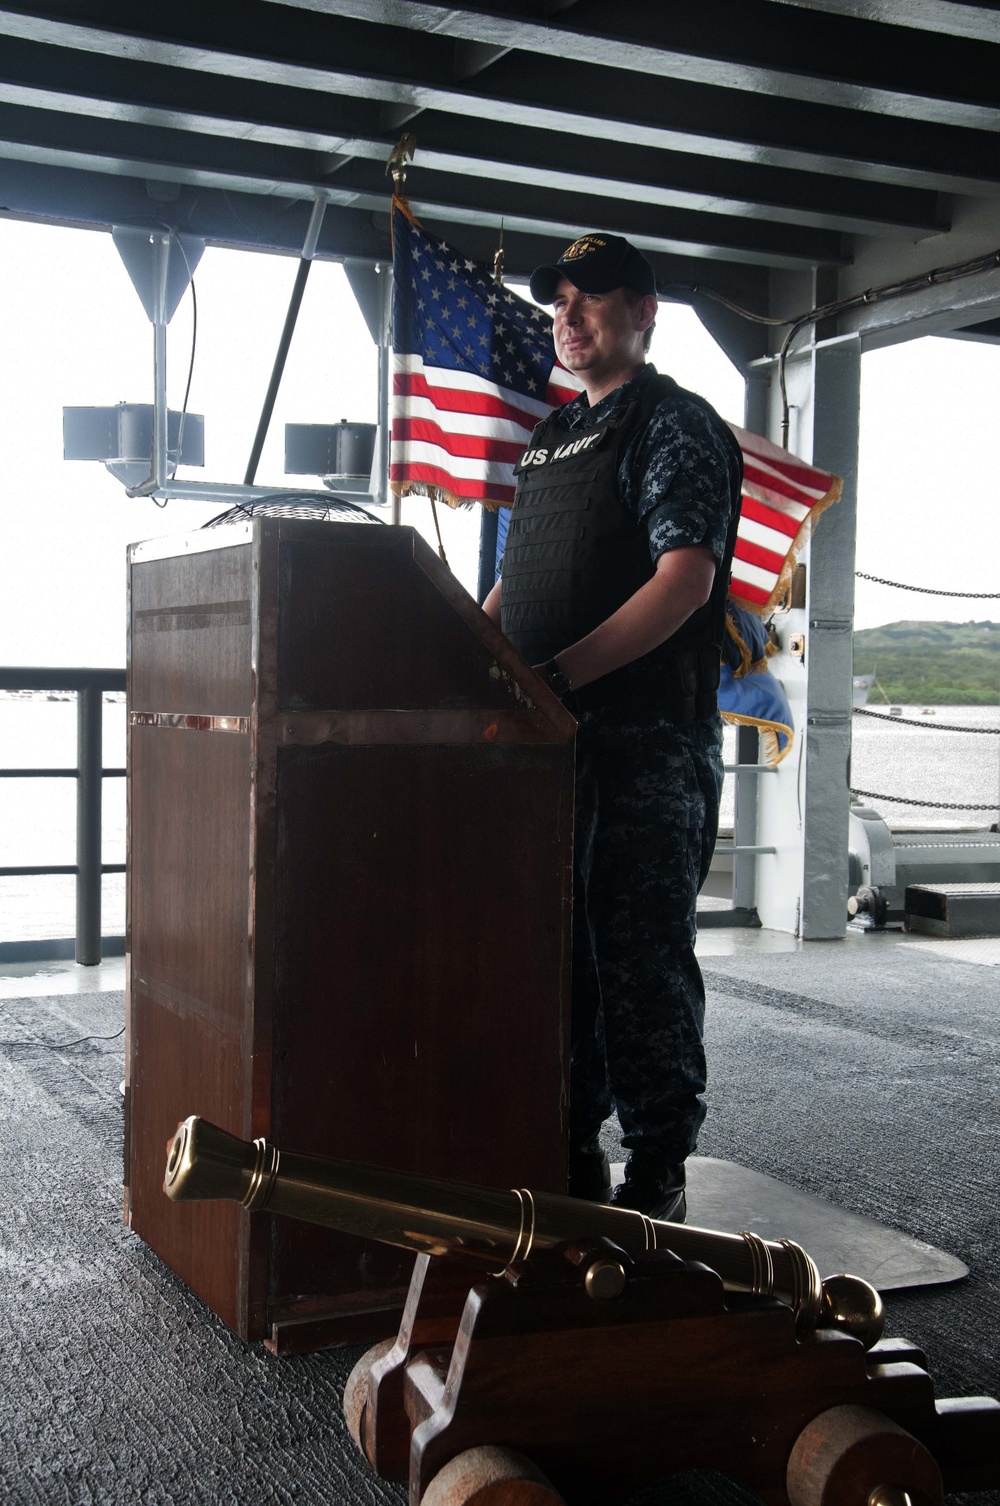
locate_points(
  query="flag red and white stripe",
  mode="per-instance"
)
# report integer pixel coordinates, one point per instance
(782, 498)
(473, 371)
(459, 434)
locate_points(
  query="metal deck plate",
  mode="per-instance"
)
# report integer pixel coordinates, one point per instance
(722, 1195)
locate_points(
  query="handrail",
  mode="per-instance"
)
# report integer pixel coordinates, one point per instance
(18, 677)
(89, 686)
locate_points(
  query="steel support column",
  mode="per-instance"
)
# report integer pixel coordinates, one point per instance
(835, 409)
(803, 812)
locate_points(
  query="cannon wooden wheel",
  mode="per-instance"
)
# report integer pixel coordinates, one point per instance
(850, 1456)
(490, 1476)
(356, 1390)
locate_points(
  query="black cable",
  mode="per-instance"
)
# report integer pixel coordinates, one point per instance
(64, 1045)
(194, 347)
(822, 311)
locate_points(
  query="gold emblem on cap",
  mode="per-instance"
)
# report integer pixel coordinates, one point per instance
(583, 247)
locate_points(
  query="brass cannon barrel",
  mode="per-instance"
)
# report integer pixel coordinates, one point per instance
(497, 1227)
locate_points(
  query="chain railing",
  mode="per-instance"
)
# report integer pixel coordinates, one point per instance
(89, 773)
(879, 580)
(937, 805)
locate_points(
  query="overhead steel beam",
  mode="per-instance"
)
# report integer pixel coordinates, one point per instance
(149, 151)
(608, 168)
(112, 89)
(980, 23)
(249, 167)
(416, 70)
(524, 206)
(987, 332)
(934, 310)
(936, 301)
(55, 195)
(817, 57)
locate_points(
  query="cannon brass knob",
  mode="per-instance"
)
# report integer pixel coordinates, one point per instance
(605, 1280)
(854, 1307)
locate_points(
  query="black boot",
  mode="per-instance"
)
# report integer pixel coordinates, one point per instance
(589, 1172)
(653, 1187)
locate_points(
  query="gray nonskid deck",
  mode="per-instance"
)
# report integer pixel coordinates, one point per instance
(861, 1072)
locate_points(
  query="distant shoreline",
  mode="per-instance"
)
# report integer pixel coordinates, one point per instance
(931, 663)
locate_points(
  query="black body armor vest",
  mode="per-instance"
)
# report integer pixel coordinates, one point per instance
(575, 554)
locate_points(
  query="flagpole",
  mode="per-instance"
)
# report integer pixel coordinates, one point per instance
(396, 165)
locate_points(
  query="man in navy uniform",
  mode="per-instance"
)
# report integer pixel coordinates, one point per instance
(614, 584)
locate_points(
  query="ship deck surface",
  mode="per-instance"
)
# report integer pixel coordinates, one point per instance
(864, 1071)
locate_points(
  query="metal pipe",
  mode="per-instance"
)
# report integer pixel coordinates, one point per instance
(33, 677)
(160, 242)
(233, 492)
(496, 1227)
(89, 707)
(295, 303)
(161, 267)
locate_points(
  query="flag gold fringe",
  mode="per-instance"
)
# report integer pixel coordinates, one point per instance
(772, 750)
(782, 584)
(441, 494)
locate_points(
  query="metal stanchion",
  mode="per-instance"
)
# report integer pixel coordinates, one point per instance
(89, 758)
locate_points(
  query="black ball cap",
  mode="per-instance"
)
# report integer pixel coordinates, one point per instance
(595, 264)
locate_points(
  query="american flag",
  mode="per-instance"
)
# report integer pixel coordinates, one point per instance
(474, 370)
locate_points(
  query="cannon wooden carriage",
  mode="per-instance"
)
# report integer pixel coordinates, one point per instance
(558, 1351)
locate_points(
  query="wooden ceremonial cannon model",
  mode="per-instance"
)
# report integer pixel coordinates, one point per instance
(609, 1349)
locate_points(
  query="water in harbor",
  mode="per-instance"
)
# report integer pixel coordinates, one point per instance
(38, 821)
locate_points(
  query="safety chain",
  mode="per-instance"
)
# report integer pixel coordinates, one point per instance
(928, 590)
(910, 721)
(931, 805)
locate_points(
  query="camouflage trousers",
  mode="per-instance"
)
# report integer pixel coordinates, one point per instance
(647, 812)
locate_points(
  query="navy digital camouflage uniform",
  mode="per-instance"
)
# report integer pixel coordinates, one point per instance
(647, 809)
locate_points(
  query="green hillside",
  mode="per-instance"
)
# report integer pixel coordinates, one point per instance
(939, 663)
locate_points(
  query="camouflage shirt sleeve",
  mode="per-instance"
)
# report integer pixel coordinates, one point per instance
(677, 477)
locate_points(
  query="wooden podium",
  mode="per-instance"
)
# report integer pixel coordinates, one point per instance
(350, 833)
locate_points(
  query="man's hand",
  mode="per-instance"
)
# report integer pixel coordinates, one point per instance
(682, 583)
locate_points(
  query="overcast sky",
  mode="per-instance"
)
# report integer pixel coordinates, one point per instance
(74, 333)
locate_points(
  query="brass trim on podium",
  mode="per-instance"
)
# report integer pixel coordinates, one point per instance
(189, 723)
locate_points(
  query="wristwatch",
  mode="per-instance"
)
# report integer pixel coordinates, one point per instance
(558, 680)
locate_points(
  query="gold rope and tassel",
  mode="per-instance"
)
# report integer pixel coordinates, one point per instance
(748, 666)
(770, 747)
